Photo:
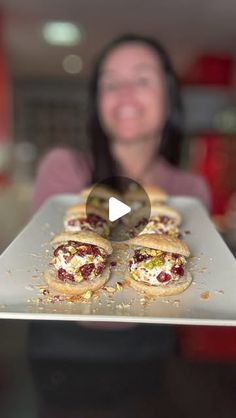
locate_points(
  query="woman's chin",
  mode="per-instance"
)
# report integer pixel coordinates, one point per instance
(128, 139)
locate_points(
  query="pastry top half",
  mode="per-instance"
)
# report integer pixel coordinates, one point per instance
(99, 191)
(86, 237)
(81, 209)
(160, 242)
(164, 210)
(154, 194)
(157, 211)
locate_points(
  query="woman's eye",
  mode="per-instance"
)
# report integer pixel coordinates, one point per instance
(107, 86)
(143, 81)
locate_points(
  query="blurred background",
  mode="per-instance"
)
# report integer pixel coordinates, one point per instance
(46, 51)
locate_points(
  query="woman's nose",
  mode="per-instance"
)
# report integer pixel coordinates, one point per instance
(126, 87)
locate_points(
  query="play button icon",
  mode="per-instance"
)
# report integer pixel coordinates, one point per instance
(117, 209)
(122, 204)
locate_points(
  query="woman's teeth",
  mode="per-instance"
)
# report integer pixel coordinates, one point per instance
(127, 112)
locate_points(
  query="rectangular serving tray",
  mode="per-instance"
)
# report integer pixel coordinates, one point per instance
(210, 300)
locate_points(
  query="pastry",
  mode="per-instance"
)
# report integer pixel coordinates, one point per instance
(157, 266)
(87, 218)
(78, 263)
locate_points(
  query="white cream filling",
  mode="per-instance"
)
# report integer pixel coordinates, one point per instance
(149, 275)
(156, 226)
(160, 228)
(72, 228)
(144, 274)
(101, 229)
(76, 262)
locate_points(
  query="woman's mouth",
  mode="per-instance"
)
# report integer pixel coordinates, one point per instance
(127, 112)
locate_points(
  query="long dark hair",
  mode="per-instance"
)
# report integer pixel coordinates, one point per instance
(172, 135)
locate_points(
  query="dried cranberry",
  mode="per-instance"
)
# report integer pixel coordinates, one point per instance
(177, 270)
(142, 222)
(113, 263)
(82, 251)
(86, 270)
(82, 220)
(74, 243)
(94, 219)
(63, 275)
(175, 255)
(100, 268)
(86, 249)
(95, 250)
(164, 219)
(60, 248)
(138, 257)
(72, 222)
(163, 277)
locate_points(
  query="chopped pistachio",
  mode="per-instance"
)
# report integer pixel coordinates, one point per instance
(154, 262)
(87, 295)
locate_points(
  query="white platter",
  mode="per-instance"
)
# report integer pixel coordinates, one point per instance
(213, 268)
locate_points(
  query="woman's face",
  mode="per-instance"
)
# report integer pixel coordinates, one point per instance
(132, 99)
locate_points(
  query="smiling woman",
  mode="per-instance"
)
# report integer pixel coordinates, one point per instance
(135, 123)
(131, 85)
(136, 108)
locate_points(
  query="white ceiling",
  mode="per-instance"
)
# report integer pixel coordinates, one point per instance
(186, 27)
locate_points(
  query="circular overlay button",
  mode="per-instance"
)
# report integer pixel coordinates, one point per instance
(122, 208)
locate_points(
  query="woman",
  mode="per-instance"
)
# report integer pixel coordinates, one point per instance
(135, 126)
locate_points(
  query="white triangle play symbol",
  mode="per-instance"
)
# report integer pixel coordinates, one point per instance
(117, 209)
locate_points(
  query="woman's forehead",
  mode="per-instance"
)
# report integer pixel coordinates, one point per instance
(134, 55)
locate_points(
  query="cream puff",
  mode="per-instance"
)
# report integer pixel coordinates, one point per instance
(157, 266)
(136, 196)
(86, 218)
(163, 220)
(98, 195)
(79, 263)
